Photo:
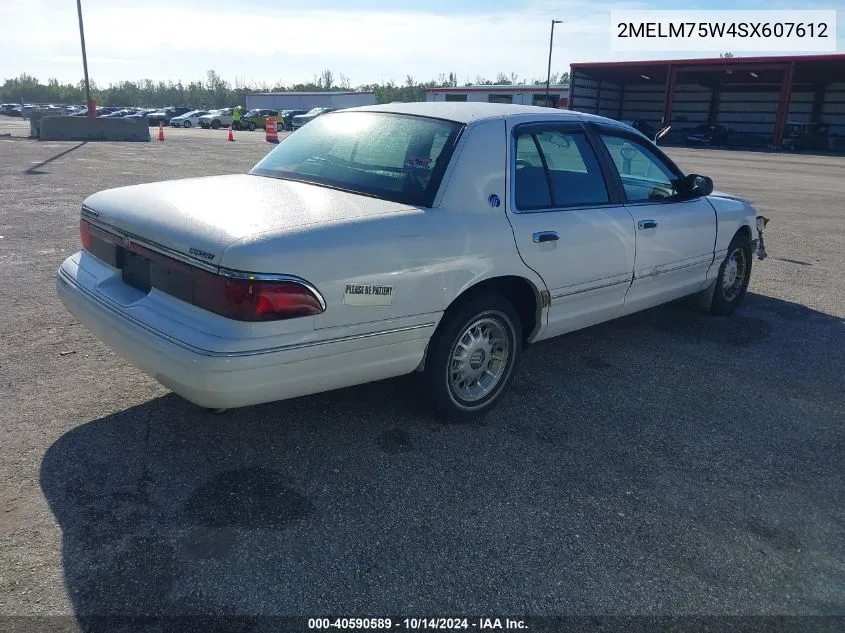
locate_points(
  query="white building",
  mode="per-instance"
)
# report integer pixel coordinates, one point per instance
(308, 100)
(524, 95)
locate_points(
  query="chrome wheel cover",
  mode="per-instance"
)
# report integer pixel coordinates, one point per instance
(479, 359)
(733, 276)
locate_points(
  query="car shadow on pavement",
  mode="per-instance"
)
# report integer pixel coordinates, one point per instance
(665, 461)
(35, 170)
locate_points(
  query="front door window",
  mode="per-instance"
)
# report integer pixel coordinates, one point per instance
(645, 177)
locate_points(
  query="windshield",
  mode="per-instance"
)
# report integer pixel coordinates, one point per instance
(395, 157)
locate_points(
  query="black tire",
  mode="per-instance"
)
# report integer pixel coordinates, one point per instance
(726, 300)
(215, 124)
(186, 123)
(485, 306)
(252, 126)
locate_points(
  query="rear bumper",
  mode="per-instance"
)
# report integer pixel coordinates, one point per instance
(226, 378)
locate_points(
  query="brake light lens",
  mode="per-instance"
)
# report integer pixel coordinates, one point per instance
(85, 234)
(254, 299)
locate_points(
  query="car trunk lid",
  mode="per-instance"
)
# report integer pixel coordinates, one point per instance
(198, 218)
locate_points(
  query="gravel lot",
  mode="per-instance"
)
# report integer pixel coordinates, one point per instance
(664, 463)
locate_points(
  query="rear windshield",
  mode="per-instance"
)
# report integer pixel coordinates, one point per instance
(395, 157)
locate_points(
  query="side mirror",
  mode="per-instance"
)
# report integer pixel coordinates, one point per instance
(696, 185)
(661, 133)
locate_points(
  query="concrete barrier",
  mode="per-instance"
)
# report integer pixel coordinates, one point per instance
(35, 124)
(82, 128)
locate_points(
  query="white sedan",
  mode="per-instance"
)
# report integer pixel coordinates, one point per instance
(217, 118)
(433, 237)
(189, 119)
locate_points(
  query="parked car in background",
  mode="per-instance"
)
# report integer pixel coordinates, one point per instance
(708, 135)
(164, 115)
(189, 119)
(51, 110)
(107, 110)
(142, 114)
(99, 112)
(642, 126)
(118, 114)
(10, 109)
(257, 118)
(286, 121)
(301, 119)
(216, 118)
(806, 136)
(27, 109)
(440, 238)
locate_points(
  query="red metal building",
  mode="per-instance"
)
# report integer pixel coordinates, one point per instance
(754, 97)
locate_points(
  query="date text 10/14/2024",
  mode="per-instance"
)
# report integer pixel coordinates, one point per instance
(414, 624)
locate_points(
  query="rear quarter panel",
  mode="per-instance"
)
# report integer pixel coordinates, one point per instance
(426, 256)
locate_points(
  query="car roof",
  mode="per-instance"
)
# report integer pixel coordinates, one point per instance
(468, 111)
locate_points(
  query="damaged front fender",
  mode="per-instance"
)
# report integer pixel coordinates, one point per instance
(762, 221)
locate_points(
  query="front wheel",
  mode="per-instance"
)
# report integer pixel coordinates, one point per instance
(251, 126)
(187, 124)
(472, 356)
(215, 124)
(734, 275)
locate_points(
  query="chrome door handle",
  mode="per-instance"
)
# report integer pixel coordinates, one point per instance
(647, 224)
(545, 236)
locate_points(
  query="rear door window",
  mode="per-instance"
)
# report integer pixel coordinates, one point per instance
(557, 168)
(532, 185)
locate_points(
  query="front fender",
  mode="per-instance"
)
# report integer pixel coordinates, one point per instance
(732, 214)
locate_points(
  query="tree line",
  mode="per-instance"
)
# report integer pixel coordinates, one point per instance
(215, 92)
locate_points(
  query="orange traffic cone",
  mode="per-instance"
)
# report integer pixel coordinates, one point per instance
(231, 135)
(271, 133)
(160, 131)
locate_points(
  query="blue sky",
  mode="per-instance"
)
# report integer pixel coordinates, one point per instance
(277, 41)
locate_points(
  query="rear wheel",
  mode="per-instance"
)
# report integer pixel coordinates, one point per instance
(215, 124)
(472, 356)
(734, 275)
(187, 123)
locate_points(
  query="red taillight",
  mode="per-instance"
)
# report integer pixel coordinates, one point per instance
(85, 234)
(255, 300)
(237, 298)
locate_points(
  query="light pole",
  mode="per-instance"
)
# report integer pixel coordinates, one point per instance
(549, 71)
(84, 58)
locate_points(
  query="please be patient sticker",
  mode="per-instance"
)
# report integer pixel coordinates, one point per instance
(367, 295)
